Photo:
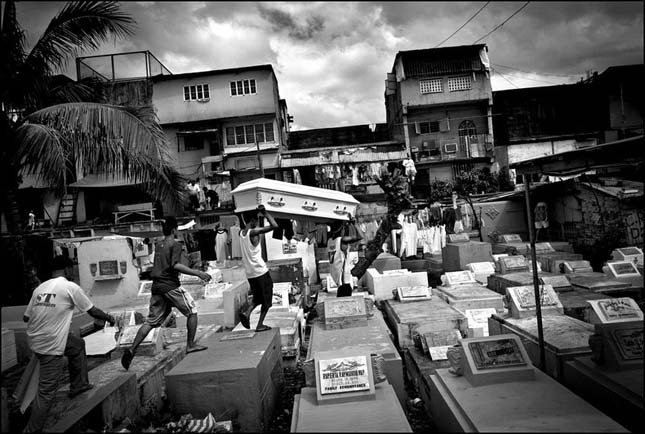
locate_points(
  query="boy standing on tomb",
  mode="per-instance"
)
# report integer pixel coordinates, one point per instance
(168, 292)
(256, 269)
(341, 267)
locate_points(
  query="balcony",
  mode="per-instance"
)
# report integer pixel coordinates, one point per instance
(439, 147)
(132, 65)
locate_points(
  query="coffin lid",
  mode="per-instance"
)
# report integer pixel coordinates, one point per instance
(298, 189)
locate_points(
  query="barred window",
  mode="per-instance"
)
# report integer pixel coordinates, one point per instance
(245, 134)
(243, 87)
(434, 85)
(459, 83)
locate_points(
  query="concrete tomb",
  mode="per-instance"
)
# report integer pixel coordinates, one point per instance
(481, 270)
(9, 354)
(564, 338)
(625, 271)
(289, 320)
(435, 344)
(558, 282)
(470, 296)
(476, 324)
(236, 379)
(631, 254)
(412, 293)
(458, 238)
(577, 267)
(522, 302)
(456, 256)
(345, 312)
(343, 376)
(151, 345)
(372, 339)
(381, 284)
(513, 264)
(551, 261)
(509, 238)
(613, 310)
(410, 319)
(601, 283)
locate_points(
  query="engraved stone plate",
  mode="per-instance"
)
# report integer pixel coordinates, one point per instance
(216, 289)
(628, 254)
(541, 247)
(439, 353)
(612, 310)
(238, 335)
(630, 342)
(623, 269)
(459, 278)
(458, 238)
(557, 281)
(510, 238)
(512, 264)
(281, 291)
(145, 288)
(478, 318)
(345, 312)
(129, 332)
(577, 267)
(487, 268)
(522, 300)
(347, 376)
(413, 293)
(496, 353)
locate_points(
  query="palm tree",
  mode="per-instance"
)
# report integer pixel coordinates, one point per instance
(49, 130)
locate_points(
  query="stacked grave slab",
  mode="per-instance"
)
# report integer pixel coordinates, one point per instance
(462, 292)
(459, 251)
(382, 284)
(612, 377)
(493, 386)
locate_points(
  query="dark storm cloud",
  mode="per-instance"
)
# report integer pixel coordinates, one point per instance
(281, 21)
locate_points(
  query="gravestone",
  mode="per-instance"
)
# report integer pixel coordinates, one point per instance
(558, 282)
(622, 344)
(495, 359)
(513, 264)
(345, 312)
(435, 344)
(477, 322)
(522, 301)
(470, 296)
(482, 270)
(343, 376)
(145, 288)
(509, 238)
(456, 256)
(623, 269)
(613, 310)
(499, 255)
(454, 278)
(541, 247)
(571, 267)
(412, 293)
(631, 254)
(151, 345)
(281, 291)
(598, 282)
(458, 238)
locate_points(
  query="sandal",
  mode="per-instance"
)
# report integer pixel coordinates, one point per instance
(263, 328)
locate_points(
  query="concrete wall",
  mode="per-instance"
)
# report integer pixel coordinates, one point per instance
(527, 151)
(503, 217)
(168, 97)
(480, 89)
(108, 293)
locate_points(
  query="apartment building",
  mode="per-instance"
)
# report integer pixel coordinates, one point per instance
(439, 103)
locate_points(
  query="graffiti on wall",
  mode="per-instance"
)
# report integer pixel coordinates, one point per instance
(633, 219)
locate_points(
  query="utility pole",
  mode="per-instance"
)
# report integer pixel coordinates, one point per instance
(257, 146)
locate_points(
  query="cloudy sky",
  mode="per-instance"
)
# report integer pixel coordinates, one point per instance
(331, 58)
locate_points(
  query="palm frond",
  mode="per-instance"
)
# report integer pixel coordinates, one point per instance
(78, 26)
(111, 139)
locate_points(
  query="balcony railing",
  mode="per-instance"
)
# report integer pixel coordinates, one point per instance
(439, 147)
(120, 66)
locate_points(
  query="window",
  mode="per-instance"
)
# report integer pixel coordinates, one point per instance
(459, 83)
(198, 92)
(426, 127)
(434, 85)
(193, 142)
(243, 87)
(245, 134)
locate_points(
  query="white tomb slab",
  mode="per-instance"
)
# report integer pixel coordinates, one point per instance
(558, 282)
(454, 278)
(509, 238)
(541, 247)
(345, 312)
(631, 254)
(281, 291)
(413, 293)
(614, 310)
(513, 264)
(458, 238)
(477, 322)
(481, 271)
(622, 269)
(577, 267)
(522, 300)
(344, 376)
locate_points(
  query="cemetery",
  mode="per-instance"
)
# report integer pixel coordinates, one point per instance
(492, 344)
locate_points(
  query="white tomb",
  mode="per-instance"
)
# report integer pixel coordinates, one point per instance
(522, 301)
(614, 310)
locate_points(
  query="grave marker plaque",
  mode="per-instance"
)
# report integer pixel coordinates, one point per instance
(413, 293)
(281, 291)
(510, 238)
(495, 359)
(345, 312)
(557, 282)
(345, 376)
(629, 342)
(612, 310)
(541, 247)
(477, 321)
(623, 269)
(459, 278)
(145, 288)
(513, 264)
(487, 268)
(439, 353)
(577, 267)
(458, 238)
(622, 346)
(151, 345)
(522, 300)
(631, 254)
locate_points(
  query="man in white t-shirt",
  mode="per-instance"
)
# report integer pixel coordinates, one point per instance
(340, 265)
(48, 317)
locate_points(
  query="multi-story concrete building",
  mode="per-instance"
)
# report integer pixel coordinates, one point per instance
(439, 103)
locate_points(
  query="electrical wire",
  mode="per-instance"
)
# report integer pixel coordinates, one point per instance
(462, 26)
(504, 22)
(502, 75)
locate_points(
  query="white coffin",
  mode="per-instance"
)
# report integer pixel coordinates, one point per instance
(285, 198)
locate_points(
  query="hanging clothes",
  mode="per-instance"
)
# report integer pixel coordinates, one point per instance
(296, 177)
(236, 247)
(408, 240)
(221, 244)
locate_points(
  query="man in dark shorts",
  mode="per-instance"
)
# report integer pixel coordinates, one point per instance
(256, 269)
(340, 266)
(167, 292)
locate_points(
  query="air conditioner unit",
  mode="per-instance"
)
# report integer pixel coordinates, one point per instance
(450, 148)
